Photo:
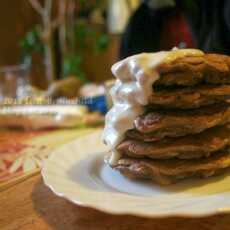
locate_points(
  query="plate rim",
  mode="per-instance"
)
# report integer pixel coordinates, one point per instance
(224, 210)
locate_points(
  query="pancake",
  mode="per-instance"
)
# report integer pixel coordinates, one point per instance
(188, 98)
(193, 70)
(170, 116)
(192, 146)
(160, 124)
(171, 171)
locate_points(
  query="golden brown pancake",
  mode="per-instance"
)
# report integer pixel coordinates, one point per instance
(188, 71)
(170, 171)
(191, 146)
(159, 124)
(188, 98)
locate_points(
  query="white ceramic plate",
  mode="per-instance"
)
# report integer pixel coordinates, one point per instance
(77, 172)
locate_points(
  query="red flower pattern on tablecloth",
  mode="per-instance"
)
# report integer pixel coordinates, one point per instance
(12, 149)
(23, 152)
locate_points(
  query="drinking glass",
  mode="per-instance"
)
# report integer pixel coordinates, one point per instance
(13, 79)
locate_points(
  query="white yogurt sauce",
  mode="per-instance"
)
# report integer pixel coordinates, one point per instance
(135, 78)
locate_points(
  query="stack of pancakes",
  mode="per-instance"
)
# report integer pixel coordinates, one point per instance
(184, 131)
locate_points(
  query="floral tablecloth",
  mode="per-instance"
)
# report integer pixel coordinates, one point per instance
(22, 152)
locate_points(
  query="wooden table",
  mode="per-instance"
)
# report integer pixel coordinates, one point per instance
(30, 205)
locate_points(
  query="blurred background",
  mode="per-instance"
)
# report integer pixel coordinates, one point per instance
(65, 48)
(58, 39)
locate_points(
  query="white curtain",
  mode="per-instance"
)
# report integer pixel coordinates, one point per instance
(119, 12)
